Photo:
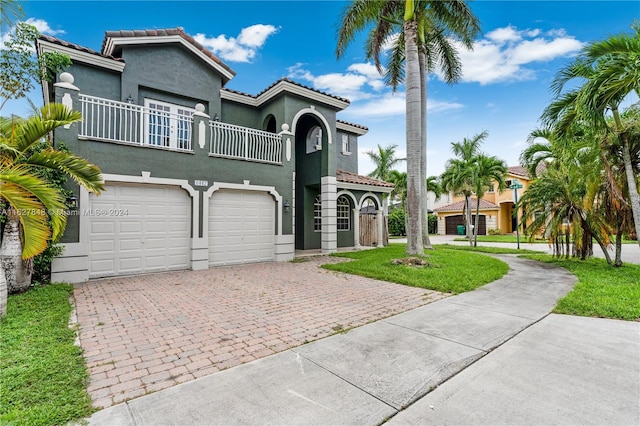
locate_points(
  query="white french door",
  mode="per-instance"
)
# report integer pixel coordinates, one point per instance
(168, 125)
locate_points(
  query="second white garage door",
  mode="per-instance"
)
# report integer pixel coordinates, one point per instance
(241, 227)
(138, 228)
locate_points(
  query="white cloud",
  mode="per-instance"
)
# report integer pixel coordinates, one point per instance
(256, 35)
(391, 104)
(43, 26)
(350, 85)
(504, 35)
(505, 54)
(240, 49)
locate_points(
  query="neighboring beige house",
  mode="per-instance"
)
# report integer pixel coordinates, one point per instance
(496, 208)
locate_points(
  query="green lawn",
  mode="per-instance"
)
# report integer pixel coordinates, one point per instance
(523, 239)
(487, 249)
(502, 239)
(42, 373)
(450, 271)
(601, 291)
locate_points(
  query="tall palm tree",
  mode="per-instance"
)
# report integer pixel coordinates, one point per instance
(385, 160)
(427, 28)
(487, 170)
(609, 71)
(35, 210)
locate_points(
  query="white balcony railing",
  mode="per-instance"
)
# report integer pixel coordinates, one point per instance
(160, 125)
(243, 143)
(114, 121)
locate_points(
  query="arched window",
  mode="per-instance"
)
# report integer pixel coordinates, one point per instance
(317, 214)
(344, 213)
(314, 139)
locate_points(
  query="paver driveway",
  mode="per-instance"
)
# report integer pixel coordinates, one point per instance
(145, 333)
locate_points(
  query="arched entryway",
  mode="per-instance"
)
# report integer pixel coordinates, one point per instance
(310, 137)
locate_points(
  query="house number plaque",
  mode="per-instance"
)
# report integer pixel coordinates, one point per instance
(201, 183)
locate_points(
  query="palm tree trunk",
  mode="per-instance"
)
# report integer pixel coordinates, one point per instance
(467, 200)
(18, 278)
(414, 140)
(423, 153)
(3, 292)
(604, 248)
(618, 261)
(475, 228)
(628, 169)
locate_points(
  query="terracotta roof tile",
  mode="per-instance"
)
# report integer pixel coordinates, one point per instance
(524, 173)
(76, 47)
(348, 177)
(458, 206)
(165, 32)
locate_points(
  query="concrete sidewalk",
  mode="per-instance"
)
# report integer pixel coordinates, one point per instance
(374, 372)
(630, 252)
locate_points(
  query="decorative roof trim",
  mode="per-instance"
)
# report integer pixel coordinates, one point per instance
(351, 128)
(363, 187)
(287, 86)
(242, 98)
(279, 87)
(45, 46)
(112, 42)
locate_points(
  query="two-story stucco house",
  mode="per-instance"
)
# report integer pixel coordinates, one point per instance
(497, 209)
(197, 174)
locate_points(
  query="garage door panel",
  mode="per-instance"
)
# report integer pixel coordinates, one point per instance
(153, 234)
(102, 246)
(125, 244)
(106, 228)
(241, 227)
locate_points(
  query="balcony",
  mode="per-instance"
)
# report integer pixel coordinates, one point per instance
(170, 127)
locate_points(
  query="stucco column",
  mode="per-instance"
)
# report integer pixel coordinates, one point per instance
(356, 229)
(380, 220)
(200, 124)
(328, 195)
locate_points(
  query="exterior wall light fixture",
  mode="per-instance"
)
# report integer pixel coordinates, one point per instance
(287, 206)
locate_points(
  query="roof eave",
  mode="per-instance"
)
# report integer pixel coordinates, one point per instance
(44, 46)
(347, 127)
(364, 187)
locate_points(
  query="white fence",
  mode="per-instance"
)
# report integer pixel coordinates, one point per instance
(243, 143)
(114, 121)
(161, 127)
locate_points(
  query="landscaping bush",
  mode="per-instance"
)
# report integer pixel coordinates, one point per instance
(396, 222)
(433, 224)
(494, 231)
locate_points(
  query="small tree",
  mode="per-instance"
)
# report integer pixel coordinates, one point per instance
(19, 67)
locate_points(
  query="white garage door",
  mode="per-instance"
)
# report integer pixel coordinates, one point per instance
(138, 228)
(241, 227)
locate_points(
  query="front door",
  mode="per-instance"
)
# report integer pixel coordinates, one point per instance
(168, 125)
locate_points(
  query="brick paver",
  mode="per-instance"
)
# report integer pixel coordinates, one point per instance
(149, 332)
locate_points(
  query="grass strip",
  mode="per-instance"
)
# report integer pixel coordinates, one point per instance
(43, 377)
(448, 271)
(602, 291)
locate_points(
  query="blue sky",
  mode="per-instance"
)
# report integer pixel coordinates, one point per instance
(504, 89)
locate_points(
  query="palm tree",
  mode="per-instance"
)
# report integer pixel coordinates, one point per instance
(399, 179)
(385, 160)
(10, 10)
(488, 169)
(609, 72)
(459, 174)
(570, 196)
(35, 210)
(423, 42)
